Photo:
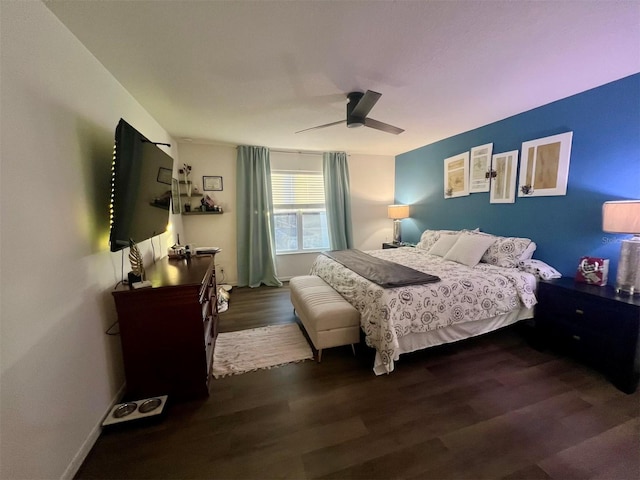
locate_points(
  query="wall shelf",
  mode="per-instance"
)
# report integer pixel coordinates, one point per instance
(195, 196)
(196, 212)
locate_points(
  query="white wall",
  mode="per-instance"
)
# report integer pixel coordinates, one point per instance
(60, 372)
(213, 230)
(372, 187)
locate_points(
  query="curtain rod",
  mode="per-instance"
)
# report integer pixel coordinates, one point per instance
(306, 152)
(276, 150)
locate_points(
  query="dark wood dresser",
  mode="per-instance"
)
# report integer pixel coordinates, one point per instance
(168, 331)
(593, 323)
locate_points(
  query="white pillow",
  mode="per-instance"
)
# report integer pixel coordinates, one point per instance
(443, 245)
(528, 252)
(539, 269)
(469, 248)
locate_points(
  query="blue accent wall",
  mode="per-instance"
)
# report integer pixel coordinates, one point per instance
(605, 165)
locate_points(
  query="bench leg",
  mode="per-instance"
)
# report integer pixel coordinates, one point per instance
(319, 355)
(353, 349)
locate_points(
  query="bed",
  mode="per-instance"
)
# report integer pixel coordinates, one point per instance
(482, 287)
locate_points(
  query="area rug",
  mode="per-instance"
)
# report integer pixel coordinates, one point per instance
(259, 348)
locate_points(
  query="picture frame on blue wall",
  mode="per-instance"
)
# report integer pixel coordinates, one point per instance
(503, 183)
(456, 175)
(544, 166)
(480, 165)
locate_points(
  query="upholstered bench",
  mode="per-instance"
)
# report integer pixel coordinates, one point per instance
(329, 320)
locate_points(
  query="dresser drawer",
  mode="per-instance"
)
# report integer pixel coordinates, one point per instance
(581, 340)
(573, 307)
(594, 324)
(206, 311)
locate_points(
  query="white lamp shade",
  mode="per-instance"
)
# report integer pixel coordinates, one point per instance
(621, 217)
(398, 211)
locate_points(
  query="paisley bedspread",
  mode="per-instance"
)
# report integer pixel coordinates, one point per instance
(464, 294)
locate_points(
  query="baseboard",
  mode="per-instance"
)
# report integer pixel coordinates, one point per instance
(92, 438)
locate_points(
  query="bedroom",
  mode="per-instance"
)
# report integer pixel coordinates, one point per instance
(60, 105)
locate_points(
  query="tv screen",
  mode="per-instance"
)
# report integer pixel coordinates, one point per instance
(141, 180)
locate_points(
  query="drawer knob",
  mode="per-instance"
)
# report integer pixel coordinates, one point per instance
(579, 312)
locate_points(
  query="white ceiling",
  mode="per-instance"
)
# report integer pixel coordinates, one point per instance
(243, 72)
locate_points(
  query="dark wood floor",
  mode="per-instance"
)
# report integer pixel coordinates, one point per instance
(490, 407)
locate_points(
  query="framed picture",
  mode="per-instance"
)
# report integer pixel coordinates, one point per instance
(544, 166)
(456, 176)
(212, 183)
(480, 164)
(164, 175)
(176, 206)
(503, 184)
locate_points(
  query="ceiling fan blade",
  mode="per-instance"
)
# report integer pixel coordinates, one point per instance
(365, 104)
(321, 126)
(385, 127)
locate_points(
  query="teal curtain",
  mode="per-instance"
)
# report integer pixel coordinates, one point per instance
(338, 199)
(256, 238)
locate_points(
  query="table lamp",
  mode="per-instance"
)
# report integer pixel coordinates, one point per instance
(624, 217)
(397, 213)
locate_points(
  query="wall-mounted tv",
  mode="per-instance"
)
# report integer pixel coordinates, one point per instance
(141, 180)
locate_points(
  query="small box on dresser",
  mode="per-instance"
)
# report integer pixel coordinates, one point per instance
(593, 323)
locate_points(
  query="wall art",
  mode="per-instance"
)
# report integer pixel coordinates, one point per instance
(480, 165)
(544, 166)
(164, 175)
(503, 184)
(212, 183)
(456, 175)
(176, 206)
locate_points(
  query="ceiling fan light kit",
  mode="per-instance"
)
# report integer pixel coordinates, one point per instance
(358, 107)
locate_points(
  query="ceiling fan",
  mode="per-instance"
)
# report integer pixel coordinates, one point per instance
(358, 106)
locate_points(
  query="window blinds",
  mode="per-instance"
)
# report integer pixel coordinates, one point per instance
(297, 189)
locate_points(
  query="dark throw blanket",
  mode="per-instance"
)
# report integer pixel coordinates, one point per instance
(382, 272)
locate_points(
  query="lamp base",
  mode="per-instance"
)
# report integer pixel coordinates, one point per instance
(628, 278)
(397, 236)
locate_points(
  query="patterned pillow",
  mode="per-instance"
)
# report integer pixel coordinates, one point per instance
(506, 251)
(539, 269)
(430, 237)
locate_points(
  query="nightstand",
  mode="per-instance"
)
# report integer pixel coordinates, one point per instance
(594, 324)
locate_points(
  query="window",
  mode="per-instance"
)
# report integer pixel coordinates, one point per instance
(300, 218)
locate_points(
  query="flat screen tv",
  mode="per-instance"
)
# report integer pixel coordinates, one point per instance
(141, 179)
